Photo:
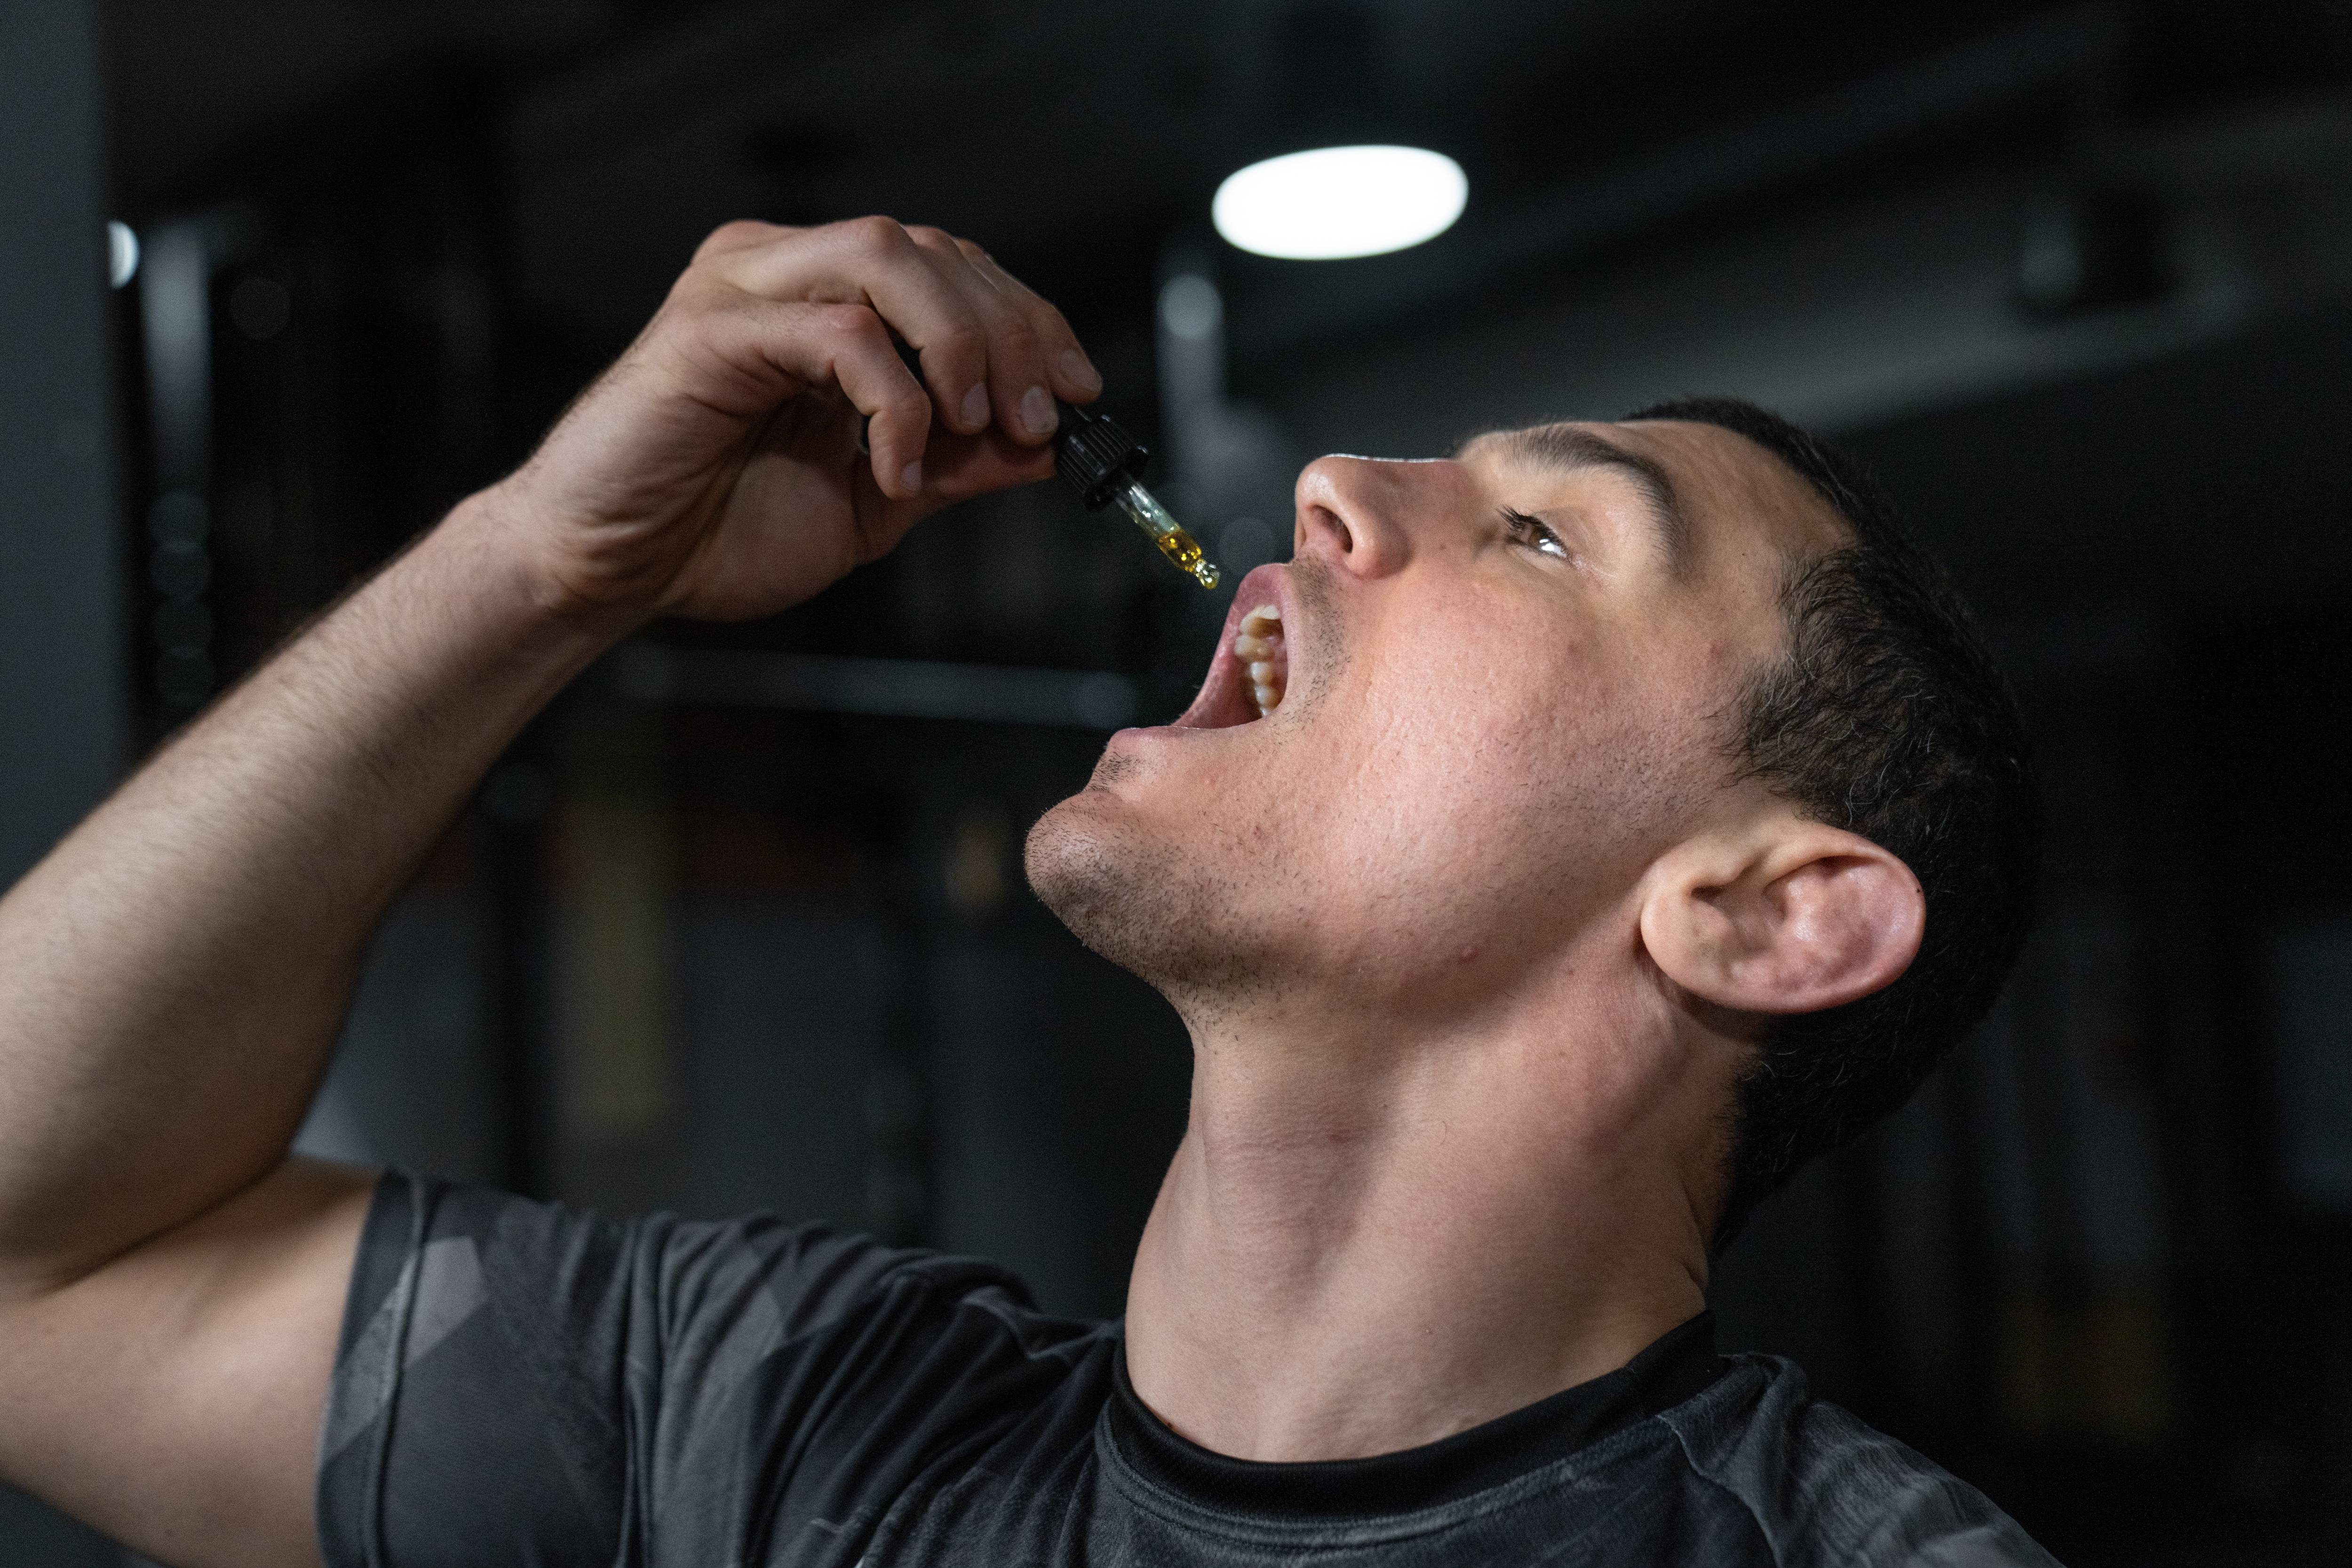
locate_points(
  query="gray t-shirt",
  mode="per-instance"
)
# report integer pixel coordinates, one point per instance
(519, 1383)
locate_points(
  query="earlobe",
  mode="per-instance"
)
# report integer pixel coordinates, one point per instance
(1791, 917)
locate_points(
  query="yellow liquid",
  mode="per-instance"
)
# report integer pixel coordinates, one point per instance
(1169, 534)
(1185, 550)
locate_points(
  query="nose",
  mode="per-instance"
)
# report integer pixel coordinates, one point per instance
(1356, 512)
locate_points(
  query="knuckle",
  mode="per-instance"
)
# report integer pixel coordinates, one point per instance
(733, 236)
(1046, 322)
(930, 237)
(696, 297)
(967, 339)
(849, 321)
(876, 236)
(1016, 338)
(904, 409)
(850, 327)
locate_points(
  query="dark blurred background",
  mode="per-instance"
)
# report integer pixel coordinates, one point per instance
(741, 923)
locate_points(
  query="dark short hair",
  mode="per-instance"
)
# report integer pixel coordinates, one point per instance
(1885, 716)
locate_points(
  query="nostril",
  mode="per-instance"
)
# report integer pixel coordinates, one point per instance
(1356, 512)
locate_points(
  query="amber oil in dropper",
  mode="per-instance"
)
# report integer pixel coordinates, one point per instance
(1168, 533)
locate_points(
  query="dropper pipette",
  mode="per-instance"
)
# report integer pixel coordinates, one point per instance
(1105, 465)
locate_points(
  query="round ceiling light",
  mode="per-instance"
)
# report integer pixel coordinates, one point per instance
(1337, 201)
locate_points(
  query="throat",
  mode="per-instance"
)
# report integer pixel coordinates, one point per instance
(1343, 1264)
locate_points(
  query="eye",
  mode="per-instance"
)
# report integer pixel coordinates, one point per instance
(1534, 533)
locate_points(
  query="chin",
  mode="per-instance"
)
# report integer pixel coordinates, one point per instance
(1094, 872)
(1125, 894)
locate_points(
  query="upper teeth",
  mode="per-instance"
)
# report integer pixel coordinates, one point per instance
(1254, 645)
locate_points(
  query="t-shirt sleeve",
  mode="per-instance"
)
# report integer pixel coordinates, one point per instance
(514, 1377)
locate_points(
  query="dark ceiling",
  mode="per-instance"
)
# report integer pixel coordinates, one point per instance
(1080, 140)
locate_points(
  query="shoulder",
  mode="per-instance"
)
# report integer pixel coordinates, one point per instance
(516, 1372)
(660, 1276)
(659, 1303)
(1823, 1487)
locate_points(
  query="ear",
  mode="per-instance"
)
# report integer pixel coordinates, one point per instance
(1782, 915)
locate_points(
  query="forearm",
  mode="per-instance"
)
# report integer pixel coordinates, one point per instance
(173, 974)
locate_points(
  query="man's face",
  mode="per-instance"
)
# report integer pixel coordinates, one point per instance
(1507, 678)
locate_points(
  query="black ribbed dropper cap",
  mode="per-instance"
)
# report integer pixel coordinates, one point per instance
(1098, 458)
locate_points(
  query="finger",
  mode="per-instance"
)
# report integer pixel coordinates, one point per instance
(742, 355)
(1074, 378)
(784, 345)
(1019, 387)
(874, 263)
(946, 366)
(956, 468)
(876, 382)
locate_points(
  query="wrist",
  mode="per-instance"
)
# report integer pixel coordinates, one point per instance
(471, 613)
(493, 539)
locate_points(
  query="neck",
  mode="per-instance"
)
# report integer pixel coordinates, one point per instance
(1371, 1238)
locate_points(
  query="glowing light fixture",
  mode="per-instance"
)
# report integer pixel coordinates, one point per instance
(1336, 201)
(122, 252)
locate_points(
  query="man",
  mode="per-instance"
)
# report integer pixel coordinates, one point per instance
(1631, 815)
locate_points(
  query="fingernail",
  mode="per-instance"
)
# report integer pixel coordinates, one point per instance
(975, 406)
(1037, 411)
(911, 478)
(1075, 366)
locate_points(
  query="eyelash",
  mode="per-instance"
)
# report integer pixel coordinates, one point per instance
(1534, 532)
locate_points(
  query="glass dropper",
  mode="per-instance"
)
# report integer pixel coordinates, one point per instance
(1105, 465)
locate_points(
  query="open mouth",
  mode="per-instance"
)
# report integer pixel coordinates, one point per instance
(1250, 671)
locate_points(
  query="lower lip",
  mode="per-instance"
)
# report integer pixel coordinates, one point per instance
(1150, 731)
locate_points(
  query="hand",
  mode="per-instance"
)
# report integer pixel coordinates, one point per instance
(715, 471)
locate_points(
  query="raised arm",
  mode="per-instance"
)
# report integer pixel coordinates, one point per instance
(173, 975)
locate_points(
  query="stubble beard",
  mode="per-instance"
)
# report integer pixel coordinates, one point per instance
(1118, 894)
(1132, 898)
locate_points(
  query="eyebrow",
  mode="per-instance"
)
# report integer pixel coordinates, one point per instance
(1571, 448)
